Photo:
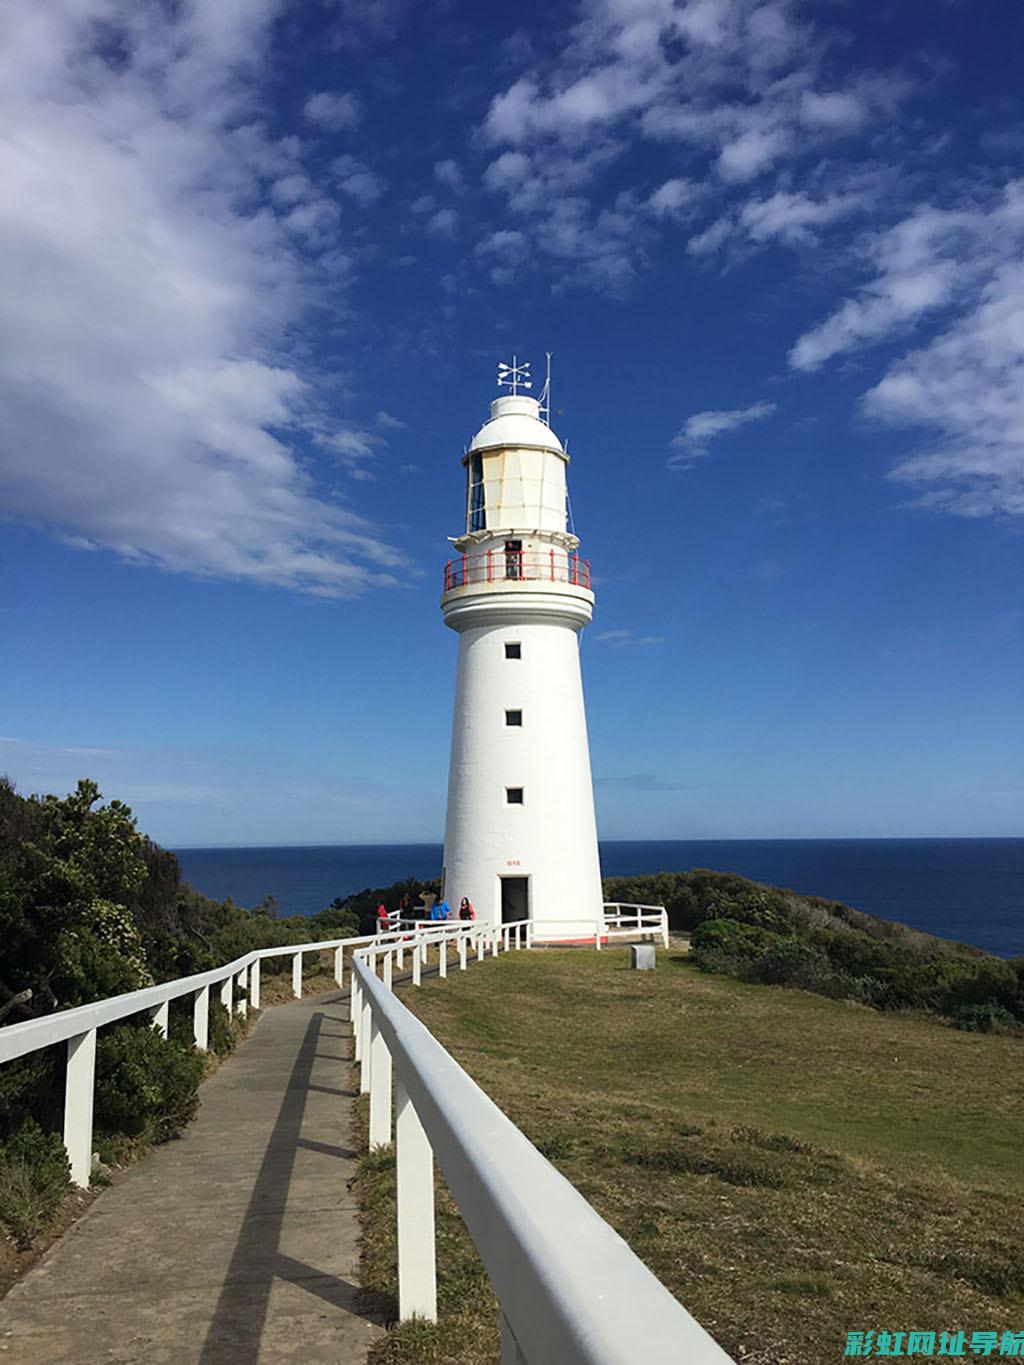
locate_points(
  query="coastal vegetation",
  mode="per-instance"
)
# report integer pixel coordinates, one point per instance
(790, 1166)
(89, 908)
(776, 937)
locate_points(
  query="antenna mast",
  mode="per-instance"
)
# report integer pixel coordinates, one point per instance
(545, 394)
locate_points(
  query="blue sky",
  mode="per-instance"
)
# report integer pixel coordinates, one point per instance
(259, 260)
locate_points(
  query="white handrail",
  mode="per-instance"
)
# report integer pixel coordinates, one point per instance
(77, 1027)
(571, 1291)
(18, 1039)
(622, 920)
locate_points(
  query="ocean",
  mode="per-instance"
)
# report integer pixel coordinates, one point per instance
(971, 890)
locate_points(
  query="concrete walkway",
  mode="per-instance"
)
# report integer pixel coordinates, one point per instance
(235, 1245)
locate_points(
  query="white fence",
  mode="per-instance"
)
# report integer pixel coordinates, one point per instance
(630, 921)
(77, 1027)
(571, 1292)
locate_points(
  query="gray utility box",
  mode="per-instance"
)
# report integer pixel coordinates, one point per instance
(641, 956)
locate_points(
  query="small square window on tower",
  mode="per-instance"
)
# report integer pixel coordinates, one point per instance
(514, 796)
(513, 717)
(513, 651)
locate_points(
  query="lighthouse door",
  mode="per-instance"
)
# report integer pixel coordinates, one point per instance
(515, 898)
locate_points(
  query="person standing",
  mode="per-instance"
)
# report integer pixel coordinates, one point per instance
(383, 919)
(466, 910)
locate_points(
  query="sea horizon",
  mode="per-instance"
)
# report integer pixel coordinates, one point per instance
(966, 888)
(710, 839)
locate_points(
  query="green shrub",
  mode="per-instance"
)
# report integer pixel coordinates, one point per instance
(146, 1085)
(32, 1086)
(788, 962)
(990, 1017)
(728, 938)
(34, 1178)
(692, 897)
(223, 1036)
(179, 1023)
(764, 935)
(223, 1031)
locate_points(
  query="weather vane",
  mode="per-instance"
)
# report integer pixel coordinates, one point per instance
(516, 376)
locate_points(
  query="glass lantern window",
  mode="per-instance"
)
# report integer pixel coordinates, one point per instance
(477, 511)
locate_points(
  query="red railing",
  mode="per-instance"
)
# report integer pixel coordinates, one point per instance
(516, 566)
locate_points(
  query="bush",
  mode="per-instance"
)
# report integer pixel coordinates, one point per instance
(34, 1178)
(763, 934)
(791, 963)
(360, 909)
(990, 1017)
(32, 1086)
(146, 1085)
(222, 1036)
(690, 898)
(727, 938)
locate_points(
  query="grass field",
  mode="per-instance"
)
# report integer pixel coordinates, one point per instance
(791, 1167)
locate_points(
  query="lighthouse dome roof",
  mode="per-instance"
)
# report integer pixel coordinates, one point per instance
(515, 421)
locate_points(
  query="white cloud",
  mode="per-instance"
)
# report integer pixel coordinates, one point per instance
(672, 197)
(740, 86)
(350, 443)
(148, 269)
(291, 189)
(925, 263)
(505, 242)
(443, 224)
(914, 277)
(509, 117)
(698, 431)
(714, 235)
(357, 181)
(960, 270)
(386, 422)
(850, 110)
(832, 109)
(620, 638)
(967, 386)
(507, 171)
(751, 153)
(447, 173)
(792, 217)
(332, 111)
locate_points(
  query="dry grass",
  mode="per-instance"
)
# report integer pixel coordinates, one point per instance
(16, 1261)
(791, 1167)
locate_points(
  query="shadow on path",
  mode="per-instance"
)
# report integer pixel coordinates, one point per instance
(236, 1329)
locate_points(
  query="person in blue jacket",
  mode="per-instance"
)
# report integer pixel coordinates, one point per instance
(441, 910)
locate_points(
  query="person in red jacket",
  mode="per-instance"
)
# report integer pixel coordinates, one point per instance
(383, 922)
(466, 910)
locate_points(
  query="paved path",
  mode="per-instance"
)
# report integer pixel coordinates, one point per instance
(237, 1244)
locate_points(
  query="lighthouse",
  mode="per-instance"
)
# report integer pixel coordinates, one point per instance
(520, 834)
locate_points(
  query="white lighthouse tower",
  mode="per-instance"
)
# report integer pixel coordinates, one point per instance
(520, 836)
